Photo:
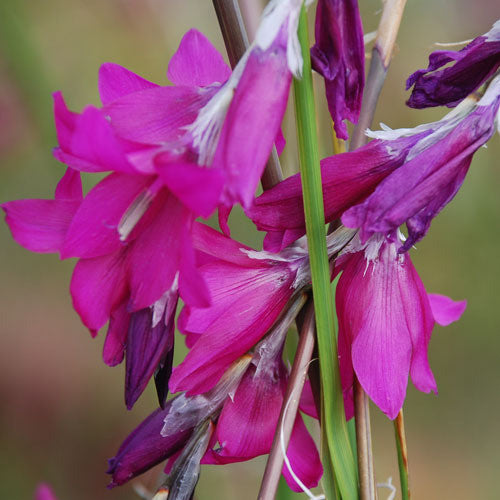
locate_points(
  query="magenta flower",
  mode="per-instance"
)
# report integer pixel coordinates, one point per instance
(472, 66)
(385, 322)
(339, 56)
(44, 492)
(249, 290)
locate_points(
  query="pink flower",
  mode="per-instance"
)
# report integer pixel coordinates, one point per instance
(385, 322)
(44, 492)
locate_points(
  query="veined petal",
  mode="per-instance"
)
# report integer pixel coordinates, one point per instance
(115, 81)
(197, 62)
(98, 286)
(94, 228)
(156, 115)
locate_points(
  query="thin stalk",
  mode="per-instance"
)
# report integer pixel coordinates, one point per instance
(367, 488)
(334, 422)
(399, 430)
(380, 60)
(289, 409)
(236, 42)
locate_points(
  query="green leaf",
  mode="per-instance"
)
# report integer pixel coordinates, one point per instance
(339, 450)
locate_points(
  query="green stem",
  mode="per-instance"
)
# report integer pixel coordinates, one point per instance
(399, 430)
(334, 423)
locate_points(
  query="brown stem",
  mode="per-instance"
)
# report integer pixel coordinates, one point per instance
(236, 41)
(404, 475)
(290, 404)
(367, 488)
(381, 57)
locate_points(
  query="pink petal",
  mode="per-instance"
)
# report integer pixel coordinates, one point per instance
(197, 63)
(155, 256)
(247, 423)
(98, 286)
(280, 142)
(94, 229)
(245, 304)
(115, 81)
(307, 404)
(304, 458)
(156, 115)
(65, 121)
(70, 186)
(40, 225)
(252, 122)
(446, 310)
(44, 492)
(116, 337)
(198, 188)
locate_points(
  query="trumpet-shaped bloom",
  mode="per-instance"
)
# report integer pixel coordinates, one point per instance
(385, 323)
(339, 56)
(472, 66)
(249, 290)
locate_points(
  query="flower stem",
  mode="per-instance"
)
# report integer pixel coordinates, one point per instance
(367, 488)
(399, 428)
(289, 409)
(236, 42)
(334, 423)
(381, 57)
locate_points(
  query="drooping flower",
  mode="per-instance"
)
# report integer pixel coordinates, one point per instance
(472, 66)
(339, 56)
(385, 323)
(432, 174)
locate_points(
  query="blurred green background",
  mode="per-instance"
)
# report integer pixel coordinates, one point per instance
(62, 412)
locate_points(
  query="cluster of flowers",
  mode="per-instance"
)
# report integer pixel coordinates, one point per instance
(182, 151)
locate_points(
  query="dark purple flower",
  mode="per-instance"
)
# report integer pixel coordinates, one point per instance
(472, 66)
(339, 56)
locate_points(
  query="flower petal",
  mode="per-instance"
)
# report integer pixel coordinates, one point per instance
(446, 310)
(115, 81)
(197, 63)
(116, 337)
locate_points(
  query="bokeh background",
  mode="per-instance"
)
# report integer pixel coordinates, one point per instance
(62, 412)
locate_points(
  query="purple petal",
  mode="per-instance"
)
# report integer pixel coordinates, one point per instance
(307, 404)
(252, 122)
(149, 339)
(145, 447)
(98, 286)
(70, 186)
(116, 337)
(446, 310)
(472, 66)
(197, 63)
(115, 81)
(339, 56)
(347, 179)
(304, 458)
(94, 228)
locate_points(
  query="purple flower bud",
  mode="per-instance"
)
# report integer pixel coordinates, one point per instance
(339, 56)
